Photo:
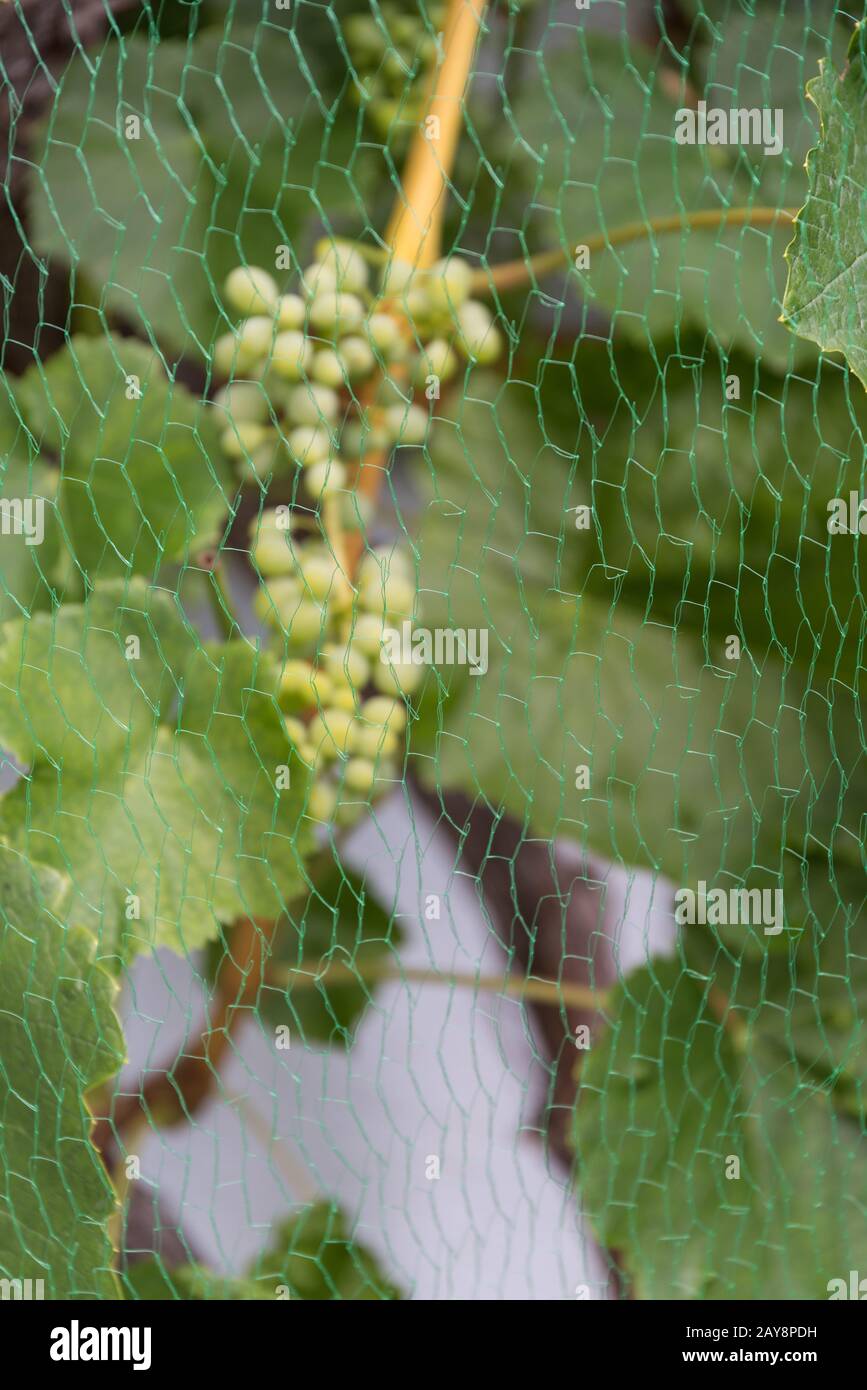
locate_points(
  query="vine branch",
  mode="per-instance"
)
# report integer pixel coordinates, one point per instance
(552, 992)
(511, 274)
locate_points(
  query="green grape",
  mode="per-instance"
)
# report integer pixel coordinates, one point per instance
(225, 353)
(291, 311)
(371, 742)
(296, 730)
(309, 444)
(406, 424)
(318, 568)
(399, 677)
(384, 333)
(343, 697)
(390, 714)
(310, 405)
(356, 356)
(279, 595)
(321, 479)
(359, 775)
(250, 290)
(397, 69)
(243, 401)
(477, 336)
(357, 439)
(438, 359)
(291, 355)
(404, 28)
(366, 634)
(322, 801)
(242, 438)
(348, 264)
(329, 732)
(327, 368)
(272, 553)
(318, 279)
(348, 813)
(296, 686)
(336, 314)
(255, 340)
(304, 624)
(396, 277)
(449, 283)
(346, 664)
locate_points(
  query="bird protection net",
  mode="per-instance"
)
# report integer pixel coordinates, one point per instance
(431, 643)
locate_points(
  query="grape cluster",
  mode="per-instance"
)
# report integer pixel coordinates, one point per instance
(391, 56)
(343, 705)
(316, 376)
(296, 360)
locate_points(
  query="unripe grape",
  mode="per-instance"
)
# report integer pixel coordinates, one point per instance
(276, 598)
(450, 283)
(348, 813)
(366, 634)
(438, 359)
(357, 357)
(363, 34)
(329, 732)
(477, 336)
(350, 267)
(343, 697)
(291, 355)
(309, 444)
(359, 775)
(296, 730)
(256, 338)
(404, 28)
(327, 368)
(322, 801)
(419, 307)
(224, 354)
(379, 710)
(372, 742)
(250, 290)
(291, 311)
(406, 424)
(310, 405)
(332, 313)
(240, 439)
(385, 335)
(318, 279)
(321, 479)
(304, 624)
(346, 664)
(243, 400)
(323, 688)
(398, 677)
(396, 277)
(318, 570)
(356, 440)
(273, 554)
(296, 686)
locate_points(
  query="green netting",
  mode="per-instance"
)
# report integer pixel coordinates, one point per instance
(432, 838)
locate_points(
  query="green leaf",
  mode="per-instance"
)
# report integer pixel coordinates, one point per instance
(59, 1036)
(142, 479)
(593, 130)
(668, 1096)
(239, 153)
(331, 937)
(152, 777)
(312, 1257)
(827, 276)
(700, 767)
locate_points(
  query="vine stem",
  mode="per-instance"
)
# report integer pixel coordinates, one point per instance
(553, 992)
(511, 274)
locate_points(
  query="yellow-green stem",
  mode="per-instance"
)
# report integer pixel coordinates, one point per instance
(552, 992)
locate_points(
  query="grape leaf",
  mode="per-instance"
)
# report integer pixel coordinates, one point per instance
(594, 140)
(153, 767)
(334, 932)
(142, 478)
(238, 150)
(29, 556)
(740, 771)
(312, 1257)
(669, 1095)
(59, 1036)
(827, 276)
